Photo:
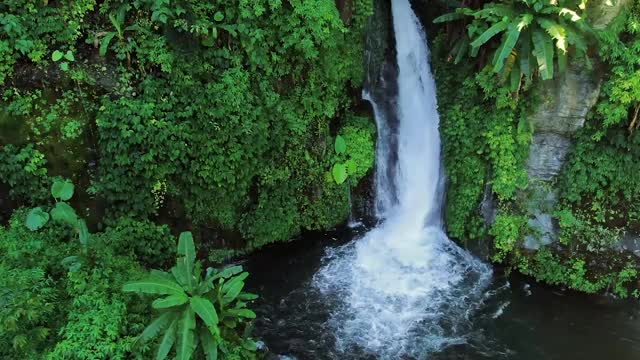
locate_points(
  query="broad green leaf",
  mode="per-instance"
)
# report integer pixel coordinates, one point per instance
(556, 31)
(231, 292)
(167, 341)
(186, 258)
(36, 219)
(230, 323)
(234, 280)
(57, 55)
(227, 272)
(572, 14)
(209, 345)
(170, 301)
(116, 24)
(525, 21)
(69, 56)
(83, 232)
(161, 274)
(494, 10)
(206, 311)
(122, 12)
(452, 16)
(490, 33)
(339, 173)
(509, 42)
(186, 335)
(104, 43)
(515, 77)
(182, 274)
(218, 16)
(156, 327)
(562, 61)
(154, 285)
(575, 38)
(187, 249)
(64, 213)
(64, 66)
(543, 51)
(62, 189)
(247, 296)
(245, 313)
(249, 344)
(340, 145)
(462, 48)
(524, 53)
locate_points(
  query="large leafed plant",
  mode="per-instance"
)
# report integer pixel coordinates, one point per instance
(196, 313)
(534, 35)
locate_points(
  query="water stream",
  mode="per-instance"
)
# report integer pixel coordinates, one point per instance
(405, 271)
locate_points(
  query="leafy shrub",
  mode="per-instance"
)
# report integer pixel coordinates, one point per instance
(28, 311)
(507, 230)
(151, 244)
(197, 313)
(24, 170)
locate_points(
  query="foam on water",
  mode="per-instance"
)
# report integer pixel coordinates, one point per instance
(404, 287)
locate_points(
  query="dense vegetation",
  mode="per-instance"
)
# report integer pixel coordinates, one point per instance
(125, 123)
(487, 135)
(233, 119)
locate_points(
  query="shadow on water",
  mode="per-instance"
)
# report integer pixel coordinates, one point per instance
(516, 319)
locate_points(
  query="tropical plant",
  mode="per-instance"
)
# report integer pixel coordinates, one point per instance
(118, 24)
(339, 170)
(67, 57)
(197, 313)
(62, 212)
(62, 191)
(534, 33)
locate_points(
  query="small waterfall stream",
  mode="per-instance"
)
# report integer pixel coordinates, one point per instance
(405, 288)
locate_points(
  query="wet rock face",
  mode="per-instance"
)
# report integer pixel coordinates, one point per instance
(566, 101)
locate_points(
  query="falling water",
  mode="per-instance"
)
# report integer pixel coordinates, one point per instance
(404, 287)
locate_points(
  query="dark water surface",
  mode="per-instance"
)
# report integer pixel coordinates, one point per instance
(519, 319)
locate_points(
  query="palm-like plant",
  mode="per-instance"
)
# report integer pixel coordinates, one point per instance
(196, 313)
(532, 32)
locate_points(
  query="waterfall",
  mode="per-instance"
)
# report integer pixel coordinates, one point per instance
(404, 287)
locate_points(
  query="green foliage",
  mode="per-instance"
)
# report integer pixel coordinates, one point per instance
(199, 314)
(151, 244)
(507, 230)
(51, 312)
(61, 213)
(620, 48)
(27, 299)
(271, 78)
(24, 170)
(486, 138)
(97, 323)
(532, 32)
(573, 272)
(479, 155)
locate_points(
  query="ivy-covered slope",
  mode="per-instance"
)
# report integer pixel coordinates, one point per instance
(220, 113)
(487, 132)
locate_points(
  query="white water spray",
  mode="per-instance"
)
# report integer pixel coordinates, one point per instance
(405, 288)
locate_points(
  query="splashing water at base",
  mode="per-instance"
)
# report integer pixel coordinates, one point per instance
(404, 287)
